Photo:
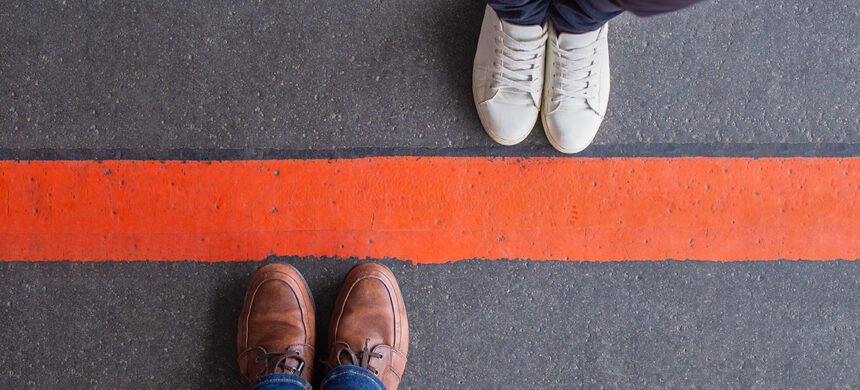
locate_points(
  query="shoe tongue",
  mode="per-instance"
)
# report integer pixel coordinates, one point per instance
(575, 41)
(522, 33)
(513, 97)
(292, 363)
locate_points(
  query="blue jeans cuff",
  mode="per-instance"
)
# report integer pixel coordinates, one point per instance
(351, 377)
(280, 381)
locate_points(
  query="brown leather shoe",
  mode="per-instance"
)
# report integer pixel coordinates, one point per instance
(368, 324)
(277, 325)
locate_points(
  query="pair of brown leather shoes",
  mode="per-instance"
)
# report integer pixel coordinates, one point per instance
(368, 324)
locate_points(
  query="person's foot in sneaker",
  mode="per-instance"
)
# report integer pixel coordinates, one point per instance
(577, 88)
(507, 77)
(368, 326)
(277, 326)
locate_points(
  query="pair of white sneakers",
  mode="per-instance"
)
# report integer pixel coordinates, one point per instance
(512, 82)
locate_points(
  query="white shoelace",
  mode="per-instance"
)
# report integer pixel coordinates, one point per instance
(576, 73)
(516, 62)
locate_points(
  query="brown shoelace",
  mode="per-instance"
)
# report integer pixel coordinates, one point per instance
(274, 361)
(360, 358)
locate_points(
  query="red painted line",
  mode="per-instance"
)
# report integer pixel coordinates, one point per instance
(433, 209)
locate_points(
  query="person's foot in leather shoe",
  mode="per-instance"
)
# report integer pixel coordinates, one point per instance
(276, 328)
(368, 326)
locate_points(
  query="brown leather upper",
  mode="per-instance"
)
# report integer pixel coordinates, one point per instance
(369, 326)
(277, 325)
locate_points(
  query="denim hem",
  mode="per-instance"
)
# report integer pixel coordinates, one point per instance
(280, 377)
(353, 373)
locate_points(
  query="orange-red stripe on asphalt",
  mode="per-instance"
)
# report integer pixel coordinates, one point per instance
(433, 209)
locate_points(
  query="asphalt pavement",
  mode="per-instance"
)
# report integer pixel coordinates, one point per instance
(327, 75)
(230, 80)
(474, 324)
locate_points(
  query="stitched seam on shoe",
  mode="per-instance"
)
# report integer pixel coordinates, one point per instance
(280, 380)
(352, 372)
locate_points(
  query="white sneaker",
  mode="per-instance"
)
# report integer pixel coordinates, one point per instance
(577, 88)
(507, 77)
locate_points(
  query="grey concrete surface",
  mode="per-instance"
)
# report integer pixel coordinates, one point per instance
(327, 74)
(474, 324)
